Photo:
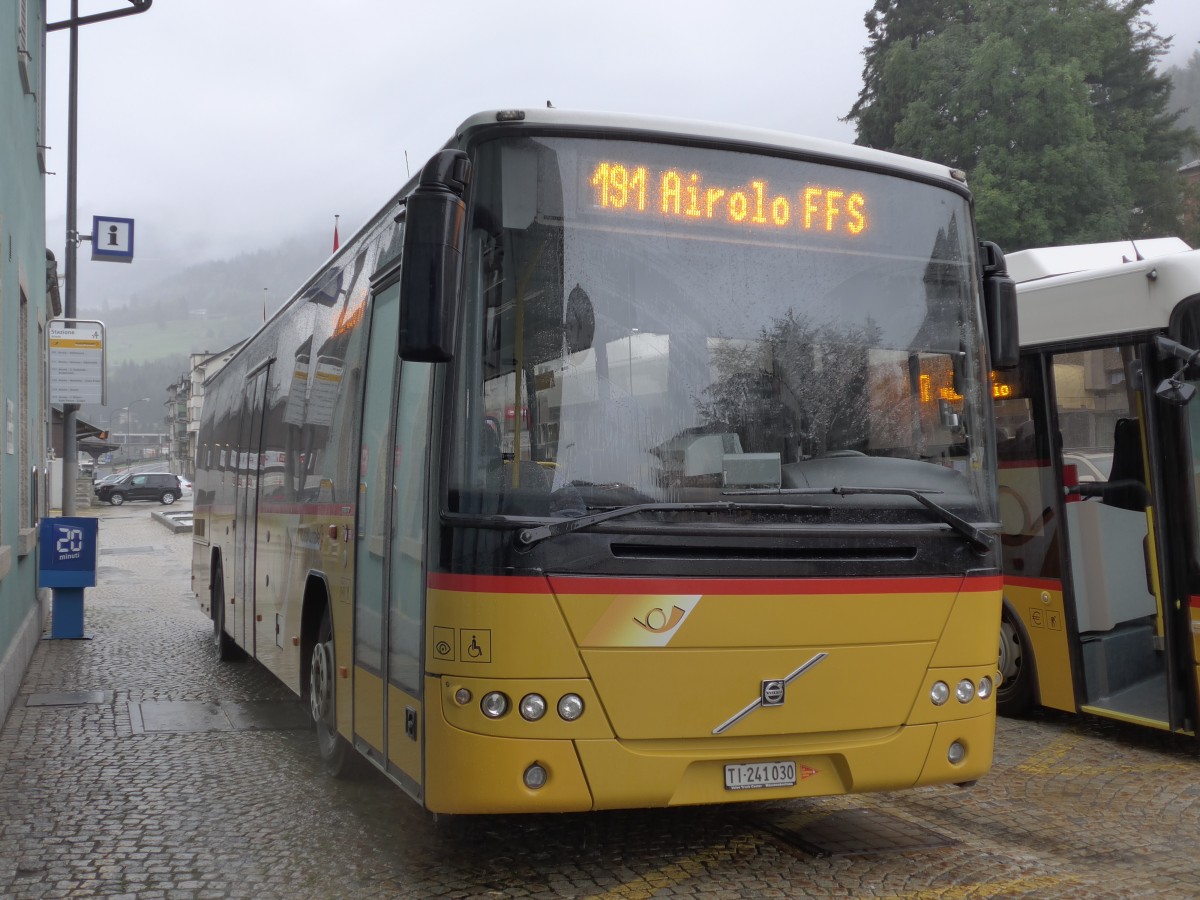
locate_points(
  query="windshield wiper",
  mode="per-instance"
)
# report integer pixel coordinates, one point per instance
(529, 536)
(979, 539)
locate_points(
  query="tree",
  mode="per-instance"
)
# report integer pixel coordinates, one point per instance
(1053, 109)
(1185, 96)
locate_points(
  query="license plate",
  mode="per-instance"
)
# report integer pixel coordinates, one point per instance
(746, 776)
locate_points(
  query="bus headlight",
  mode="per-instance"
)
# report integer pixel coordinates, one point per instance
(985, 688)
(956, 754)
(494, 704)
(940, 693)
(965, 692)
(570, 707)
(533, 707)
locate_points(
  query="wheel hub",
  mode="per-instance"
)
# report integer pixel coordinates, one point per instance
(1010, 656)
(320, 694)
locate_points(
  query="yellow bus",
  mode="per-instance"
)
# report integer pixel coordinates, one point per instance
(625, 462)
(1099, 461)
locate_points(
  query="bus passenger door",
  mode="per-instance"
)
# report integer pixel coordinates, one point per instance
(241, 623)
(371, 569)
(1115, 589)
(389, 551)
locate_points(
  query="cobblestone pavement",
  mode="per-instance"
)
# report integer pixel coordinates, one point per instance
(135, 765)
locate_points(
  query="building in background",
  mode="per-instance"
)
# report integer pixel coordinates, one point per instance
(185, 401)
(28, 299)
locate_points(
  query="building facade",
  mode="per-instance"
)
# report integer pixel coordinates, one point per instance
(28, 300)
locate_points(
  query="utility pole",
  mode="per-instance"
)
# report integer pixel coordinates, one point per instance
(70, 410)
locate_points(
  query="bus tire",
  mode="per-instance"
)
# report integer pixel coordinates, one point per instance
(337, 756)
(1014, 696)
(223, 645)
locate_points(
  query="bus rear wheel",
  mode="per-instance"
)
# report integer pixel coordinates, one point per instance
(1014, 697)
(337, 756)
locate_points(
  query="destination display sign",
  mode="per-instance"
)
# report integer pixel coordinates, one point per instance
(687, 196)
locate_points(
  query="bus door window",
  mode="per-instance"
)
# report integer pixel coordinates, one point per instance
(1028, 491)
(246, 463)
(1115, 604)
(410, 468)
(374, 499)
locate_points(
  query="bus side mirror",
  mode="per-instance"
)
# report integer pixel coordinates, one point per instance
(1000, 308)
(432, 263)
(1174, 390)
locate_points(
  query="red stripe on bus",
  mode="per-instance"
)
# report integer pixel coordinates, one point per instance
(1044, 584)
(575, 584)
(1195, 604)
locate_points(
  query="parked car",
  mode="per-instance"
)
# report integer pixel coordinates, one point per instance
(161, 486)
(1092, 466)
(107, 479)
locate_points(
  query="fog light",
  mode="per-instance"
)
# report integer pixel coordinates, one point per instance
(965, 692)
(533, 707)
(570, 707)
(536, 776)
(462, 696)
(956, 754)
(494, 705)
(985, 688)
(940, 693)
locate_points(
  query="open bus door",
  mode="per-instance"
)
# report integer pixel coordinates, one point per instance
(1090, 620)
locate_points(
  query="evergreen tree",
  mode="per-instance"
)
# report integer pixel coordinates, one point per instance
(1185, 98)
(1054, 110)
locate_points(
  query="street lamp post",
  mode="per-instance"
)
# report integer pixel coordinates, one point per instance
(128, 417)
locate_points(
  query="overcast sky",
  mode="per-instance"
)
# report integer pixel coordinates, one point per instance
(227, 126)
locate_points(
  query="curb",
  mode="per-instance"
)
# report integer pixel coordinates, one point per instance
(178, 522)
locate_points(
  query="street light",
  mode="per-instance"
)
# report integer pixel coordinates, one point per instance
(127, 418)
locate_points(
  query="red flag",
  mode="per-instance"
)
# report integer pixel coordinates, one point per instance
(335, 234)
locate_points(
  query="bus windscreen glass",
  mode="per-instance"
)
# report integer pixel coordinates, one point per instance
(664, 323)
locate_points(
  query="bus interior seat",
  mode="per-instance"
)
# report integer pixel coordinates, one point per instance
(1126, 487)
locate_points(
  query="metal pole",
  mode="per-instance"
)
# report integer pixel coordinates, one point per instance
(70, 451)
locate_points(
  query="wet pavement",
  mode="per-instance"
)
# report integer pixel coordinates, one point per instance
(135, 765)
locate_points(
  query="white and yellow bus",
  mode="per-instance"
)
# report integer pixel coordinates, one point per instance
(1099, 459)
(626, 462)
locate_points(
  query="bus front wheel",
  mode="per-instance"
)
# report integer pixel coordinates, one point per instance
(1014, 697)
(336, 753)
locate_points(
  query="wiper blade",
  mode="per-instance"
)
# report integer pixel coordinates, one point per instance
(529, 536)
(980, 539)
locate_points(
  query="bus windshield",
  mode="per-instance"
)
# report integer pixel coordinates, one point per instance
(662, 323)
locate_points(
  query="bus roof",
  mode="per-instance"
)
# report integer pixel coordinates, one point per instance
(1026, 265)
(711, 131)
(1099, 290)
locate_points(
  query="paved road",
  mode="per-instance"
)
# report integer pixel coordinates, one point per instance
(135, 765)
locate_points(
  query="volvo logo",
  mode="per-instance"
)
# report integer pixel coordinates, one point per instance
(771, 693)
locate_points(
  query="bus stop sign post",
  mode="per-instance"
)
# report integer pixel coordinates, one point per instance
(67, 565)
